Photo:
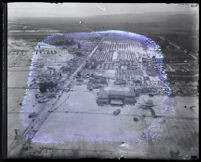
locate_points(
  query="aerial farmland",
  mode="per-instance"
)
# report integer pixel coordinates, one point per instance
(74, 93)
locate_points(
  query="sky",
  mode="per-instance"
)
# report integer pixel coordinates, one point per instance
(38, 9)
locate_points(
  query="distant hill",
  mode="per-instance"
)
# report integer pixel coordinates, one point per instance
(180, 28)
(170, 19)
(164, 18)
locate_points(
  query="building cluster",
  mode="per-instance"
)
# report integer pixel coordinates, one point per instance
(57, 65)
(121, 65)
(119, 69)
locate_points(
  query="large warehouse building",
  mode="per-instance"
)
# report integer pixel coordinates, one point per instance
(115, 96)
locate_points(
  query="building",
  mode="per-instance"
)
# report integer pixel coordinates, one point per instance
(116, 96)
(119, 82)
(97, 82)
(102, 98)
